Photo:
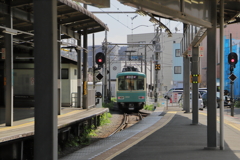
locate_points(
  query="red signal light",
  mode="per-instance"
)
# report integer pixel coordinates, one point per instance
(99, 60)
(232, 60)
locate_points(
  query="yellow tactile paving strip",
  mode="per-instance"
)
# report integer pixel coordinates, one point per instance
(27, 129)
(232, 124)
(32, 123)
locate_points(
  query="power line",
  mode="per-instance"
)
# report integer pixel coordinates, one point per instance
(115, 19)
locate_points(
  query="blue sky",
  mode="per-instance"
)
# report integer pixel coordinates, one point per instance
(121, 25)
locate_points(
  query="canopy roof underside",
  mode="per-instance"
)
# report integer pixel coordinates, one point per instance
(71, 16)
(194, 12)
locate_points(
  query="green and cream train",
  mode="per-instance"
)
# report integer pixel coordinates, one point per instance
(130, 90)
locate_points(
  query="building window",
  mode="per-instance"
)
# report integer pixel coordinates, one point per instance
(75, 72)
(177, 53)
(64, 73)
(177, 69)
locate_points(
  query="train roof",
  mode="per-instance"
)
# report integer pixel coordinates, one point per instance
(131, 73)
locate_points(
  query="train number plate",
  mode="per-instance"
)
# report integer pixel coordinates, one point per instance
(131, 108)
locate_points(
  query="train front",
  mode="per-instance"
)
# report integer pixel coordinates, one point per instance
(131, 91)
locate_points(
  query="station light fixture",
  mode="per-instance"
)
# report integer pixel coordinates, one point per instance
(161, 25)
(141, 12)
(153, 20)
(10, 31)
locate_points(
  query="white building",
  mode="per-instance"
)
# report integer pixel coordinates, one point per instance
(165, 75)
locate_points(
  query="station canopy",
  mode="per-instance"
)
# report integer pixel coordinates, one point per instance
(194, 12)
(71, 16)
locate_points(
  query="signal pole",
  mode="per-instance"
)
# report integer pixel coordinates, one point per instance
(231, 83)
(232, 60)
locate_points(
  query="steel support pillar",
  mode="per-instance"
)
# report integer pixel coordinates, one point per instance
(9, 69)
(93, 60)
(195, 71)
(222, 74)
(186, 84)
(59, 71)
(211, 80)
(145, 61)
(79, 74)
(46, 73)
(85, 68)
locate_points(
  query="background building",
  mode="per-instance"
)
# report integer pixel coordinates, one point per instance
(177, 66)
(165, 75)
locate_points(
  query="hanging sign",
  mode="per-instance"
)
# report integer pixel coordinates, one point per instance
(189, 51)
(201, 51)
(3, 53)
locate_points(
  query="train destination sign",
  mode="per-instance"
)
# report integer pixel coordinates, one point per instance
(131, 77)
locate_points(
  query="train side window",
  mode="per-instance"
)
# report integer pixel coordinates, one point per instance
(140, 84)
(121, 85)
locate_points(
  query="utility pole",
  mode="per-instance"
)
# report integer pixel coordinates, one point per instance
(141, 63)
(105, 69)
(157, 67)
(109, 77)
(151, 76)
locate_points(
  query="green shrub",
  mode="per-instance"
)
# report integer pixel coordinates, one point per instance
(108, 105)
(104, 119)
(237, 104)
(114, 99)
(148, 107)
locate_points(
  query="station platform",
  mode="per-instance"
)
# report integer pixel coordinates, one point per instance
(167, 135)
(23, 125)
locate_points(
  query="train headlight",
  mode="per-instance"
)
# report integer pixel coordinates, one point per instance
(141, 97)
(120, 97)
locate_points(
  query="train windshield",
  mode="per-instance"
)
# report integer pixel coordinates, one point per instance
(131, 82)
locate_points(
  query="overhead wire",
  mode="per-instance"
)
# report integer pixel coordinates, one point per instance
(115, 19)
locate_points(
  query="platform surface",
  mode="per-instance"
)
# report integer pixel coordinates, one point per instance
(166, 135)
(23, 125)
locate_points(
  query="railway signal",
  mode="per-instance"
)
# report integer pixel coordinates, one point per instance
(157, 66)
(100, 59)
(232, 60)
(99, 76)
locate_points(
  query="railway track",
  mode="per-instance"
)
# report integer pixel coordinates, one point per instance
(129, 120)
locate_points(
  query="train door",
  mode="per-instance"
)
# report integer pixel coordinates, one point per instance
(1, 87)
